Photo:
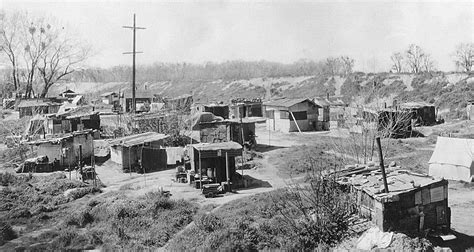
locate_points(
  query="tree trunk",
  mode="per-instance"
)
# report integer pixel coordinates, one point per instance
(15, 77)
(45, 90)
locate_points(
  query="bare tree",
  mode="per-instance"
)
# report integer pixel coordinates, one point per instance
(418, 60)
(10, 43)
(342, 65)
(333, 66)
(35, 41)
(368, 123)
(464, 56)
(347, 65)
(60, 59)
(397, 62)
(427, 64)
(41, 49)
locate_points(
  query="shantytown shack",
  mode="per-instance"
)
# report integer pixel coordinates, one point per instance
(415, 202)
(140, 152)
(68, 149)
(213, 162)
(289, 115)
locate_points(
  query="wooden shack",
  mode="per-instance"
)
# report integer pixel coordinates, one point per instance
(109, 97)
(181, 103)
(243, 108)
(33, 107)
(415, 202)
(139, 152)
(226, 131)
(67, 148)
(290, 115)
(217, 109)
(214, 159)
(422, 113)
(323, 122)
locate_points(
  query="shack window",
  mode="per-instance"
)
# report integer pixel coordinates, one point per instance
(269, 114)
(302, 115)
(284, 115)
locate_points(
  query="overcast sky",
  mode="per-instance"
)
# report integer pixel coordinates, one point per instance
(282, 31)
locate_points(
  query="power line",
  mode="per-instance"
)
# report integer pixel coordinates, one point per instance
(134, 52)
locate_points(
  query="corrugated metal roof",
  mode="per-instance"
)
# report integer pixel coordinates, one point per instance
(138, 139)
(286, 102)
(217, 146)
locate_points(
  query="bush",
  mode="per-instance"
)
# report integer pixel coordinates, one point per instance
(81, 192)
(208, 222)
(19, 213)
(79, 218)
(6, 233)
(7, 178)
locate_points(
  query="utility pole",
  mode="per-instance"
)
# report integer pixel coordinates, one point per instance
(134, 52)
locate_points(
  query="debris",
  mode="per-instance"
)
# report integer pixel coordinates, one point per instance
(448, 237)
(374, 238)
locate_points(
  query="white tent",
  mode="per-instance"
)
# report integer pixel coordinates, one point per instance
(453, 158)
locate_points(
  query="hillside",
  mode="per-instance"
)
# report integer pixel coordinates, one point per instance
(449, 91)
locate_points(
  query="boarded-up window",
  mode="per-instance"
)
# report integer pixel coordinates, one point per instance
(302, 115)
(284, 115)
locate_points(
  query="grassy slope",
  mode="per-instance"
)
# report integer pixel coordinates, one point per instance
(43, 218)
(449, 91)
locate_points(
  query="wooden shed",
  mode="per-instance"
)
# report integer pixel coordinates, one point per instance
(227, 130)
(67, 148)
(243, 108)
(415, 202)
(33, 107)
(289, 115)
(215, 159)
(422, 113)
(131, 152)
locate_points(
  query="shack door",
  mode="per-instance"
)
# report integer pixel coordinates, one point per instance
(153, 159)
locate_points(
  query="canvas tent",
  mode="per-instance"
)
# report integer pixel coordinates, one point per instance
(453, 158)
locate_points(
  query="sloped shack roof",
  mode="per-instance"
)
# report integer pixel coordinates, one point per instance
(321, 102)
(61, 138)
(212, 150)
(287, 102)
(107, 94)
(399, 181)
(138, 139)
(36, 103)
(414, 105)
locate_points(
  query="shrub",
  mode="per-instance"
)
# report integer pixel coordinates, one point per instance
(7, 178)
(19, 213)
(81, 192)
(6, 233)
(208, 222)
(79, 218)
